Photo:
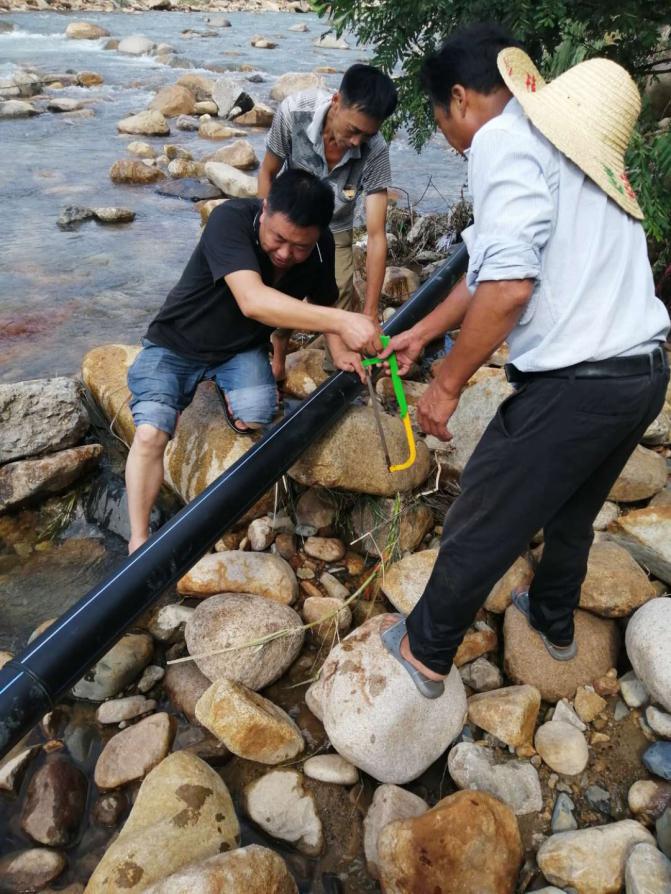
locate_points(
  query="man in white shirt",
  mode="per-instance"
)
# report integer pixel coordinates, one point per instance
(558, 267)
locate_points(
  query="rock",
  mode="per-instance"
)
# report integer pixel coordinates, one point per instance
(367, 703)
(248, 724)
(260, 116)
(200, 86)
(231, 181)
(142, 150)
(215, 130)
(527, 660)
(399, 284)
(30, 870)
(444, 849)
(14, 767)
(516, 783)
(185, 122)
(647, 870)
(6, 27)
(598, 799)
(63, 104)
(167, 624)
(331, 768)
(658, 721)
(648, 799)
(406, 580)
(89, 79)
(657, 759)
(562, 747)
(227, 94)
(280, 804)
(235, 620)
(332, 613)
(190, 190)
(648, 643)
(54, 805)
(206, 107)
(295, 82)
(563, 819)
(518, 576)
(85, 31)
(261, 533)
(663, 833)
(218, 21)
(184, 685)
(136, 45)
(387, 520)
(633, 691)
(615, 584)
(563, 711)
(150, 677)
(390, 803)
(592, 861)
(476, 643)
(40, 416)
(263, 43)
(133, 752)
(607, 515)
(509, 713)
(329, 41)
(643, 476)
(657, 433)
(116, 669)
(326, 549)
(183, 814)
(235, 571)
(128, 170)
(174, 100)
(17, 108)
(304, 372)
(109, 808)
(588, 704)
(646, 533)
(206, 208)
(481, 675)
(30, 478)
(240, 154)
(152, 123)
(124, 709)
(316, 508)
(114, 215)
(247, 870)
(73, 214)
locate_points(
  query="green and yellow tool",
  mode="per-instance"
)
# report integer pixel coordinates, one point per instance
(399, 393)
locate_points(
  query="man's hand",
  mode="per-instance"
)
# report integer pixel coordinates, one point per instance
(349, 361)
(408, 347)
(359, 333)
(435, 409)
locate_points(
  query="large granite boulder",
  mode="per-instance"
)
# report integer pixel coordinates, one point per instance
(174, 100)
(295, 82)
(615, 585)
(648, 642)
(150, 123)
(646, 533)
(231, 181)
(304, 372)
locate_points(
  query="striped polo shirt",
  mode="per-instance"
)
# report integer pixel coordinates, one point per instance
(296, 136)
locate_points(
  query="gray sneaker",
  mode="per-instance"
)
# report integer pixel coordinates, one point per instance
(391, 639)
(559, 653)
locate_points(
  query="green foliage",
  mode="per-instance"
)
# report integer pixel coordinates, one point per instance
(557, 34)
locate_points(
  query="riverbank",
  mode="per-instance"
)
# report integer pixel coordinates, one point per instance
(295, 6)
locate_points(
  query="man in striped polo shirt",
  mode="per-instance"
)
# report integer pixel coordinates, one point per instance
(336, 136)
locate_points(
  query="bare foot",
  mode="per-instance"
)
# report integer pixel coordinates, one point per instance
(135, 543)
(407, 654)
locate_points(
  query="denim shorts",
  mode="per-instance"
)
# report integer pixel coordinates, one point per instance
(162, 384)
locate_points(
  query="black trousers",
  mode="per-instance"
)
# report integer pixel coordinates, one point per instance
(548, 459)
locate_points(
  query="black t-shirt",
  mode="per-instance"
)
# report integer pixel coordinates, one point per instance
(201, 319)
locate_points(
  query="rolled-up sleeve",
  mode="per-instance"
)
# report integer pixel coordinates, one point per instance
(512, 206)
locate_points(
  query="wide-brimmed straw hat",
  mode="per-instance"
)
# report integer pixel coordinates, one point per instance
(588, 113)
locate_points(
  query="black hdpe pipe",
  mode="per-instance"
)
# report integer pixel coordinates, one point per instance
(32, 683)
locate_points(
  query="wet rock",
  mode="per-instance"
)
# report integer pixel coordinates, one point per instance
(646, 533)
(509, 713)
(591, 860)
(280, 804)
(184, 684)
(648, 799)
(367, 703)
(142, 150)
(588, 703)
(528, 661)
(315, 507)
(183, 814)
(444, 848)
(227, 94)
(89, 79)
(109, 808)
(30, 870)
(633, 691)
(6, 27)
(304, 372)
(263, 43)
(518, 577)
(247, 870)
(643, 476)
(659, 721)
(237, 621)
(30, 478)
(260, 116)
(326, 549)
(128, 170)
(182, 167)
(615, 584)
(150, 677)
(329, 41)
(648, 642)
(215, 130)
(85, 31)
(236, 571)
(331, 768)
(240, 154)
(17, 108)
(113, 215)
(516, 783)
(295, 82)
(563, 819)
(334, 616)
(55, 802)
(133, 752)
(14, 767)
(562, 747)
(250, 725)
(381, 520)
(124, 709)
(399, 284)
(189, 190)
(647, 870)
(185, 122)
(116, 669)
(231, 181)
(390, 803)
(173, 100)
(136, 45)
(657, 759)
(40, 416)
(481, 675)
(151, 123)
(64, 104)
(206, 208)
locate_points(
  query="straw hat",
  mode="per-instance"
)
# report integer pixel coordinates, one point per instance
(588, 113)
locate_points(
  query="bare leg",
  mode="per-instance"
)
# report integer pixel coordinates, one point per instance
(144, 477)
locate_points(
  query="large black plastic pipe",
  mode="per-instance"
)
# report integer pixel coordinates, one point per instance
(32, 683)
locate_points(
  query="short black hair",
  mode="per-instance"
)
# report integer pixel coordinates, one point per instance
(368, 90)
(305, 199)
(468, 57)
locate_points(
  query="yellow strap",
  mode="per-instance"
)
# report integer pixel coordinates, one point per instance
(411, 446)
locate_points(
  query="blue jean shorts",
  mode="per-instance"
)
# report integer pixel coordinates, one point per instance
(162, 384)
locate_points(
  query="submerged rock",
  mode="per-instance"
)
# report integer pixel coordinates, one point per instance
(30, 870)
(136, 750)
(55, 802)
(30, 478)
(116, 669)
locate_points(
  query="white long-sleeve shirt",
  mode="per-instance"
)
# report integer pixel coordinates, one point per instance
(537, 216)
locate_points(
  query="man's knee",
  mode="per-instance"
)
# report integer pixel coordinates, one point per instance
(150, 440)
(255, 404)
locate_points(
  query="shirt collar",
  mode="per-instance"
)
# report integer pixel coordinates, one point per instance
(315, 132)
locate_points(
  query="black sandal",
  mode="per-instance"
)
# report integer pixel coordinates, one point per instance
(229, 418)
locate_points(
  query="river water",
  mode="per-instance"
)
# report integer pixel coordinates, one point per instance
(63, 292)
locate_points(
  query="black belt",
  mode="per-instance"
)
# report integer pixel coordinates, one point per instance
(614, 368)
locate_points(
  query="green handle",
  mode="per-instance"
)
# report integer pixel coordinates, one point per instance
(396, 381)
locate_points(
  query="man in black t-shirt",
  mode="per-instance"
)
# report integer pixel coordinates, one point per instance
(255, 264)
